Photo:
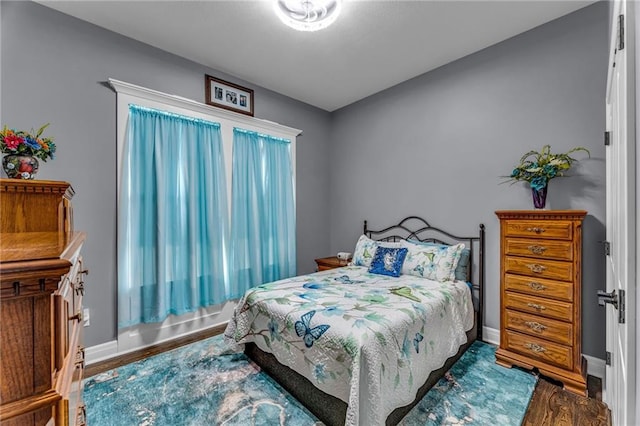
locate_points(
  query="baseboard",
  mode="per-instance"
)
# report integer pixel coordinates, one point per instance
(100, 352)
(146, 335)
(491, 335)
(595, 366)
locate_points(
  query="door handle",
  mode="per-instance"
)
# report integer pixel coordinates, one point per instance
(604, 298)
(617, 300)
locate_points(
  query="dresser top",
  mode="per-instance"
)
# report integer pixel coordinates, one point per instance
(541, 214)
(37, 186)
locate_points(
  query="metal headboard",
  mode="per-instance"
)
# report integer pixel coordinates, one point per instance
(416, 228)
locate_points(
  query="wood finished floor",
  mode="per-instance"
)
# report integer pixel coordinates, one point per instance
(553, 406)
(550, 404)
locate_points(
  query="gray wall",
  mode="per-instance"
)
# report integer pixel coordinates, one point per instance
(52, 69)
(436, 146)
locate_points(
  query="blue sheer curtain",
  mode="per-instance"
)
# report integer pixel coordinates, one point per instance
(263, 223)
(173, 217)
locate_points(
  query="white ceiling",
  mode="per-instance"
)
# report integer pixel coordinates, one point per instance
(372, 46)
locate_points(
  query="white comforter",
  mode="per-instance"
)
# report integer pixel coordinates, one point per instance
(367, 339)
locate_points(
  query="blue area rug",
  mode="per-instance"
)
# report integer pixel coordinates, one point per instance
(202, 384)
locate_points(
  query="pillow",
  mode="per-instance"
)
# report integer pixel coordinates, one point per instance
(388, 261)
(366, 248)
(462, 269)
(435, 262)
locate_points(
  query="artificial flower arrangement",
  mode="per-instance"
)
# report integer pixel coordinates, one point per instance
(25, 143)
(538, 168)
(22, 148)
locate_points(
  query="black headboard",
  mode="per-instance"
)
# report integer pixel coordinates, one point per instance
(416, 228)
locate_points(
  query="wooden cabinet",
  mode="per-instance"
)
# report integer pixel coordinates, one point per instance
(332, 262)
(41, 290)
(540, 294)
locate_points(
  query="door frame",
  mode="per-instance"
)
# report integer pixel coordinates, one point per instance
(617, 392)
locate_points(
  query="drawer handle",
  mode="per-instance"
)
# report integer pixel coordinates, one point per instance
(535, 347)
(538, 269)
(76, 317)
(536, 230)
(537, 286)
(536, 326)
(536, 306)
(80, 357)
(81, 417)
(537, 249)
(80, 289)
(84, 271)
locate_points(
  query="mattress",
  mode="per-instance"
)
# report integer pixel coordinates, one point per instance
(369, 340)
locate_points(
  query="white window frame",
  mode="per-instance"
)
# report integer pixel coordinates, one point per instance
(142, 335)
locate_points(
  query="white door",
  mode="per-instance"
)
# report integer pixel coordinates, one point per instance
(620, 163)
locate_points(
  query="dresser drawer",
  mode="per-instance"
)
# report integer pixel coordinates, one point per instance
(540, 349)
(539, 287)
(557, 331)
(551, 269)
(539, 229)
(539, 306)
(541, 249)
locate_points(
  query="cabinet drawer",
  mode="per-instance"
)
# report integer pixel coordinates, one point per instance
(551, 269)
(540, 349)
(537, 228)
(557, 331)
(541, 249)
(539, 306)
(539, 287)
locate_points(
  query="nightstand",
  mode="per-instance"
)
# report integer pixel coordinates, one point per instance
(330, 263)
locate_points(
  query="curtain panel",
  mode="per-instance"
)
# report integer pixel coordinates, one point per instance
(263, 242)
(173, 217)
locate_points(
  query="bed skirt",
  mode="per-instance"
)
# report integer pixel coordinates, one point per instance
(329, 409)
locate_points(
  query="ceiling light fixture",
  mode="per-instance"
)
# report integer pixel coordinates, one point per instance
(308, 15)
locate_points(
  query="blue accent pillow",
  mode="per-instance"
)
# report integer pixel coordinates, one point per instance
(462, 268)
(388, 261)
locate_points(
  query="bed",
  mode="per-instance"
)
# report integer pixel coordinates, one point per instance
(361, 348)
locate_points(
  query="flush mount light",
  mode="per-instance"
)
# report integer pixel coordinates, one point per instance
(308, 15)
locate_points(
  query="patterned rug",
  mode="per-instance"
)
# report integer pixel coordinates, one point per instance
(201, 384)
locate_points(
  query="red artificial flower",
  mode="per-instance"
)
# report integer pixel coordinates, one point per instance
(25, 166)
(12, 141)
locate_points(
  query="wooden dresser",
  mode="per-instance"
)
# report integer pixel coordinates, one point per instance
(41, 289)
(540, 292)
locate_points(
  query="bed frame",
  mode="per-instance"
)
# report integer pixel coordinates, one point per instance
(331, 410)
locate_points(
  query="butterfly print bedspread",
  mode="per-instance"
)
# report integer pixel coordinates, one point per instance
(370, 340)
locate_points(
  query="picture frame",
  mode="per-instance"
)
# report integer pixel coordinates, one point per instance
(227, 95)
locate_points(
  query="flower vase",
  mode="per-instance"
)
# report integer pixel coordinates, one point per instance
(539, 197)
(18, 166)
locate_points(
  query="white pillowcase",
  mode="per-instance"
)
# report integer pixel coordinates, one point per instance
(366, 248)
(436, 263)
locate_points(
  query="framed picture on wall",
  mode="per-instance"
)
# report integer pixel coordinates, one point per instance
(223, 94)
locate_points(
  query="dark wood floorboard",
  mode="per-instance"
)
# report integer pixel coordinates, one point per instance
(550, 404)
(553, 406)
(119, 361)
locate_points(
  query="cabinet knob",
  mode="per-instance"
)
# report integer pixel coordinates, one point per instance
(76, 317)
